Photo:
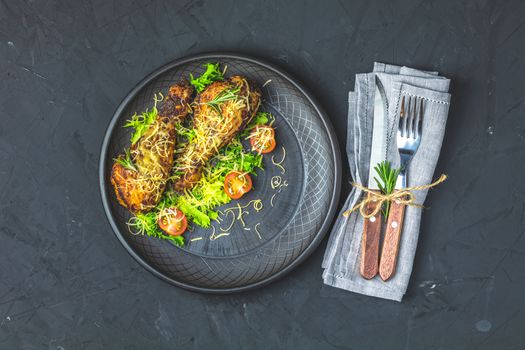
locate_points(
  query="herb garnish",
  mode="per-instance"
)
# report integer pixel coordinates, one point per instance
(186, 132)
(140, 123)
(211, 74)
(388, 177)
(126, 161)
(224, 96)
(261, 118)
(146, 223)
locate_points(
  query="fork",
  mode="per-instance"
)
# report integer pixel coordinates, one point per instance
(408, 140)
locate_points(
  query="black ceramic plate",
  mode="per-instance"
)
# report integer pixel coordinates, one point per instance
(287, 232)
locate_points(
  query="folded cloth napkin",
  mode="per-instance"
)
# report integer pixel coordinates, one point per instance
(342, 256)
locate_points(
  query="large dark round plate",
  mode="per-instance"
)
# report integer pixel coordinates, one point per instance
(287, 232)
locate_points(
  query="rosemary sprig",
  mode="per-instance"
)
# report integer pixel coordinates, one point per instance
(126, 161)
(223, 96)
(388, 177)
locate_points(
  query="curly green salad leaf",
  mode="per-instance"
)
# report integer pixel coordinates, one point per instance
(140, 123)
(212, 73)
(261, 118)
(187, 133)
(146, 223)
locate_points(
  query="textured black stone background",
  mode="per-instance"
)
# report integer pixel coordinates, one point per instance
(66, 282)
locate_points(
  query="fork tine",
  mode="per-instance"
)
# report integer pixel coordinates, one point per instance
(420, 119)
(401, 116)
(408, 118)
(413, 119)
(402, 111)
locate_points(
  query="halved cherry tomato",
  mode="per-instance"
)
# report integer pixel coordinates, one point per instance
(262, 139)
(236, 184)
(173, 221)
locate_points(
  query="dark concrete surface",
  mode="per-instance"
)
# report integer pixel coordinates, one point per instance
(67, 283)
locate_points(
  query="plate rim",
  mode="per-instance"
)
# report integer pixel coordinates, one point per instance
(336, 154)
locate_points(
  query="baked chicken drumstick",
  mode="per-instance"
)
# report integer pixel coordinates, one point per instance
(140, 177)
(222, 110)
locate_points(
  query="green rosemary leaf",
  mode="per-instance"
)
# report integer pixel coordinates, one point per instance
(224, 96)
(126, 161)
(379, 185)
(387, 183)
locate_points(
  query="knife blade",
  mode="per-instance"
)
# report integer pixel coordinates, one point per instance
(379, 132)
(372, 226)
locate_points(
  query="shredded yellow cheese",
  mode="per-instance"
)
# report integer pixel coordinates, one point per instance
(213, 238)
(276, 181)
(257, 231)
(231, 224)
(279, 163)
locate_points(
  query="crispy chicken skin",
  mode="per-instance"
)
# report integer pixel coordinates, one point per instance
(215, 124)
(152, 155)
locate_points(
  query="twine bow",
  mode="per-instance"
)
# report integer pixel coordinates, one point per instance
(402, 196)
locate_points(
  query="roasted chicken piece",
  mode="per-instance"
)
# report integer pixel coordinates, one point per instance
(140, 177)
(220, 111)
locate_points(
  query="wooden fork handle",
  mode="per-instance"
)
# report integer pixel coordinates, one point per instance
(370, 243)
(390, 250)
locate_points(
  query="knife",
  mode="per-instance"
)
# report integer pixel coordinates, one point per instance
(372, 226)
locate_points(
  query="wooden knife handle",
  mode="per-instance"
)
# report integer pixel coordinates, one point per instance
(370, 243)
(389, 253)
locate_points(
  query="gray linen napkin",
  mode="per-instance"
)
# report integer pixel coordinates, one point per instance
(341, 260)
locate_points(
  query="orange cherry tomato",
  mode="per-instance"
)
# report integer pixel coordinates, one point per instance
(173, 221)
(262, 139)
(236, 184)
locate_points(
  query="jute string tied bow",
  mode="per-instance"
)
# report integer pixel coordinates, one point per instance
(402, 196)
